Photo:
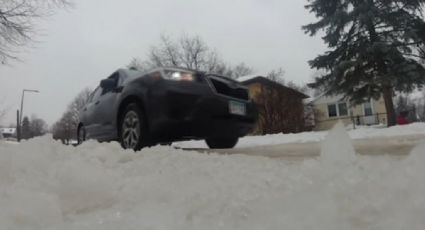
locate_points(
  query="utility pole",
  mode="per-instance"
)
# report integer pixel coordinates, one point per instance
(18, 126)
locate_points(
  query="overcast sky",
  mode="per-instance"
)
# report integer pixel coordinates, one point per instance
(82, 45)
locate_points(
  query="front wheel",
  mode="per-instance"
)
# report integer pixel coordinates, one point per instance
(81, 134)
(132, 128)
(222, 143)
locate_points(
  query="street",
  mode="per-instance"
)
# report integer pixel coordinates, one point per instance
(394, 146)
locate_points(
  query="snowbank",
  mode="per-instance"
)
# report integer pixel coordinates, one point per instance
(45, 185)
(358, 133)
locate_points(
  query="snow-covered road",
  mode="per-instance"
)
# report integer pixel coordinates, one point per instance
(374, 146)
(47, 186)
(364, 132)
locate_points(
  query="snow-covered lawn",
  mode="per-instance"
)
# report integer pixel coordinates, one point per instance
(45, 185)
(358, 133)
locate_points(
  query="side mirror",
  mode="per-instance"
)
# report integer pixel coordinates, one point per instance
(108, 84)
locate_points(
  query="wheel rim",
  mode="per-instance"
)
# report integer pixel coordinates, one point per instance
(131, 130)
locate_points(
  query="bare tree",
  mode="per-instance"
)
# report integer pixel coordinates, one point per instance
(66, 128)
(33, 127)
(73, 109)
(138, 64)
(277, 75)
(188, 52)
(17, 22)
(300, 88)
(279, 111)
(3, 110)
(241, 70)
(80, 100)
(38, 127)
(167, 53)
(195, 54)
(2, 113)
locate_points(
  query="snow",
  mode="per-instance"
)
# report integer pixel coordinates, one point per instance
(358, 133)
(248, 77)
(45, 185)
(10, 131)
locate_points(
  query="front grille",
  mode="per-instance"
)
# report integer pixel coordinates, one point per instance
(221, 87)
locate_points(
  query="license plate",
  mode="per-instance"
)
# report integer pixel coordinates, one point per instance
(237, 108)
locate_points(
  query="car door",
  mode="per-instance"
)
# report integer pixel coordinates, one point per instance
(91, 118)
(106, 109)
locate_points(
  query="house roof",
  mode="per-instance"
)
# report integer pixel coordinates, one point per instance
(247, 77)
(8, 130)
(247, 80)
(314, 99)
(327, 98)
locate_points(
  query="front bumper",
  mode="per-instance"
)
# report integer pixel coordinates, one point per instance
(193, 110)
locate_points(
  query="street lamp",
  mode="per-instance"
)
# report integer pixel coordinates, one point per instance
(22, 101)
(22, 106)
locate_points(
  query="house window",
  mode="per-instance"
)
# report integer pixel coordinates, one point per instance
(342, 109)
(368, 108)
(338, 110)
(332, 110)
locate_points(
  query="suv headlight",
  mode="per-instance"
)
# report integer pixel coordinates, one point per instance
(180, 76)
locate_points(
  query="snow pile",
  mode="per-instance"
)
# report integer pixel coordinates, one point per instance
(45, 185)
(358, 133)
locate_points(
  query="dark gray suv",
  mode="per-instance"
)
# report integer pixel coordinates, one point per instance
(165, 105)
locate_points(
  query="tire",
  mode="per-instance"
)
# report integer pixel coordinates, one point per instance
(132, 128)
(222, 143)
(81, 134)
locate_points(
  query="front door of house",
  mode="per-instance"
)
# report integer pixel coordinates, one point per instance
(369, 118)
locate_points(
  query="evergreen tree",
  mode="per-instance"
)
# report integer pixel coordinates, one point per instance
(375, 47)
(26, 128)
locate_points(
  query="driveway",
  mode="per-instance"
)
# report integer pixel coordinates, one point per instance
(395, 146)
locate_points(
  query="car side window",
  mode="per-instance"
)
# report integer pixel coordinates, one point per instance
(96, 94)
(115, 76)
(122, 79)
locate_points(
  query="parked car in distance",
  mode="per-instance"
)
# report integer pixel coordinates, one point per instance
(165, 105)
